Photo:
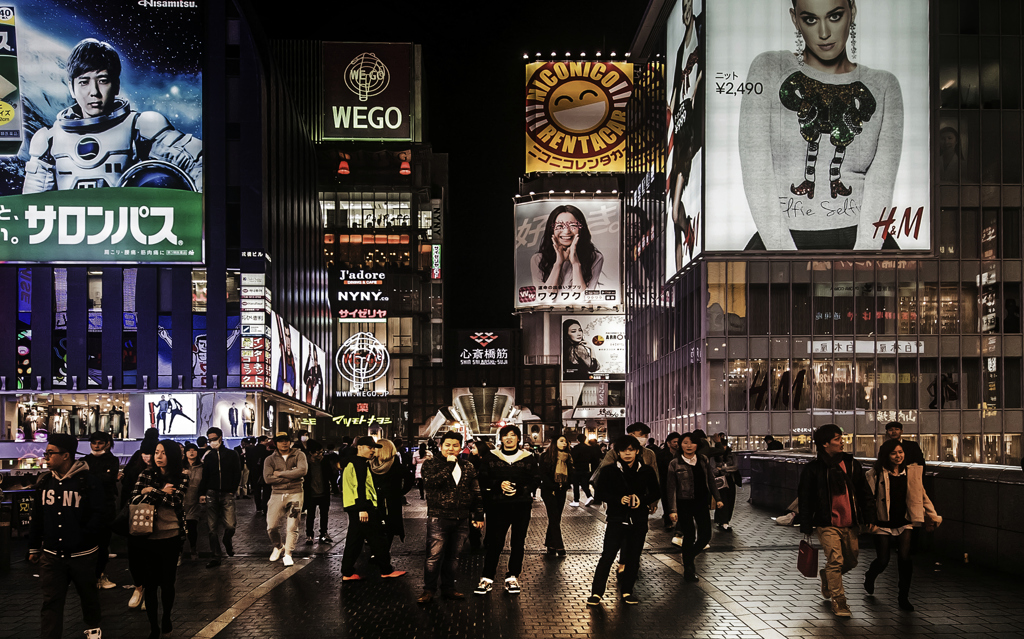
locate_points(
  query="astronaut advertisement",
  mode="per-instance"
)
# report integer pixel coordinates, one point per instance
(106, 162)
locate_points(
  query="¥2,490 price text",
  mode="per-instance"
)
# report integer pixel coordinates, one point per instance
(739, 88)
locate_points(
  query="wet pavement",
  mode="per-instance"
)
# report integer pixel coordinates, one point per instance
(749, 588)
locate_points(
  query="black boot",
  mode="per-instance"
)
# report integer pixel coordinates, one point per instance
(869, 578)
(906, 570)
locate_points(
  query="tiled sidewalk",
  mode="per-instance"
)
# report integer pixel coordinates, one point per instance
(749, 588)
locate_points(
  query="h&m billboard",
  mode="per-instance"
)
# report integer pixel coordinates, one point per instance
(101, 157)
(817, 125)
(367, 91)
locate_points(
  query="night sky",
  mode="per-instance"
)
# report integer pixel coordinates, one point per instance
(474, 67)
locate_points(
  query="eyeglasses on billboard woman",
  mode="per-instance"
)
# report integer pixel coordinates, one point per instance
(578, 360)
(820, 143)
(567, 258)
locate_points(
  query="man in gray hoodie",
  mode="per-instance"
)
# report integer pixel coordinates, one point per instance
(283, 472)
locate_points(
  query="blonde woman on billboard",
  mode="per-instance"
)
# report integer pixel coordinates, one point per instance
(578, 361)
(819, 102)
(567, 258)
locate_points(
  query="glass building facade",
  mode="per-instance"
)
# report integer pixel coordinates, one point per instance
(780, 345)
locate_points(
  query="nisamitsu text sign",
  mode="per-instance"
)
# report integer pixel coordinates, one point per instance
(105, 163)
(367, 91)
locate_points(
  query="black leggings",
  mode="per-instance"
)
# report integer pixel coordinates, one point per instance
(159, 570)
(883, 546)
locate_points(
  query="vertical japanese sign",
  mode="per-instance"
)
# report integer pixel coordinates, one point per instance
(567, 253)
(101, 132)
(576, 116)
(818, 126)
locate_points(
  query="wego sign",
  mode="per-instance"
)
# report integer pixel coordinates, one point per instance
(576, 115)
(371, 100)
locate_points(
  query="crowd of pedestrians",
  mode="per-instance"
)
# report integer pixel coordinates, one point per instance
(467, 487)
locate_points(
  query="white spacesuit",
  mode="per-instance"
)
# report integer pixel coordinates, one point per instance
(114, 149)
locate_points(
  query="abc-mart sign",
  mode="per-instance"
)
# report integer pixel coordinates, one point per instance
(367, 91)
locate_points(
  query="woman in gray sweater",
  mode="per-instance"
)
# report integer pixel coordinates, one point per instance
(819, 106)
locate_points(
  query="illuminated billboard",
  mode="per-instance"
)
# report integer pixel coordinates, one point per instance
(593, 347)
(101, 134)
(359, 295)
(567, 253)
(484, 348)
(817, 126)
(576, 116)
(367, 91)
(686, 80)
(171, 413)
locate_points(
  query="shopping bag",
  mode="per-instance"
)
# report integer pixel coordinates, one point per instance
(140, 522)
(807, 560)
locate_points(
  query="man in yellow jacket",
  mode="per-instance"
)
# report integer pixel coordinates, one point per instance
(365, 521)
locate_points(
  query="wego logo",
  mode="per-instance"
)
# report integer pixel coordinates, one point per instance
(576, 115)
(366, 76)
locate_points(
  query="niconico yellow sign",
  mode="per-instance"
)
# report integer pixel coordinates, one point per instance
(576, 116)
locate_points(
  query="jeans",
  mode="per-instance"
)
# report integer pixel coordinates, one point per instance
(580, 481)
(220, 510)
(56, 573)
(554, 503)
(371, 532)
(501, 517)
(694, 538)
(281, 505)
(323, 502)
(445, 539)
(841, 548)
(620, 534)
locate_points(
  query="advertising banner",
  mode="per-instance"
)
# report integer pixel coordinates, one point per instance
(687, 67)
(367, 91)
(312, 374)
(359, 295)
(576, 116)
(284, 354)
(818, 126)
(567, 253)
(226, 411)
(171, 413)
(101, 157)
(593, 347)
(485, 348)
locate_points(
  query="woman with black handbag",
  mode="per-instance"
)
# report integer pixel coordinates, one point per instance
(162, 486)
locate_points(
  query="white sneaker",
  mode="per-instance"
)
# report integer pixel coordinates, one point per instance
(678, 541)
(484, 586)
(588, 502)
(287, 560)
(93, 633)
(512, 586)
(276, 554)
(574, 503)
(104, 583)
(136, 599)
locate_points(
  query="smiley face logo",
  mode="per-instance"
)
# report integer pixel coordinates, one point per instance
(578, 106)
(576, 115)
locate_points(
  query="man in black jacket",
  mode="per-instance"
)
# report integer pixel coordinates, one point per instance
(914, 455)
(104, 466)
(254, 460)
(836, 500)
(584, 461)
(665, 456)
(453, 499)
(222, 471)
(629, 487)
(316, 491)
(67, 520)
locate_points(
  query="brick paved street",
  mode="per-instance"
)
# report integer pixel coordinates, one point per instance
(749, 588)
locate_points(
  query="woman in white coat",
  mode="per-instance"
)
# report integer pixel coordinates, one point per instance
(901, 504)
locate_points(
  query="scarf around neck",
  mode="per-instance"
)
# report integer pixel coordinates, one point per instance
(562, 468)
(378, 467)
